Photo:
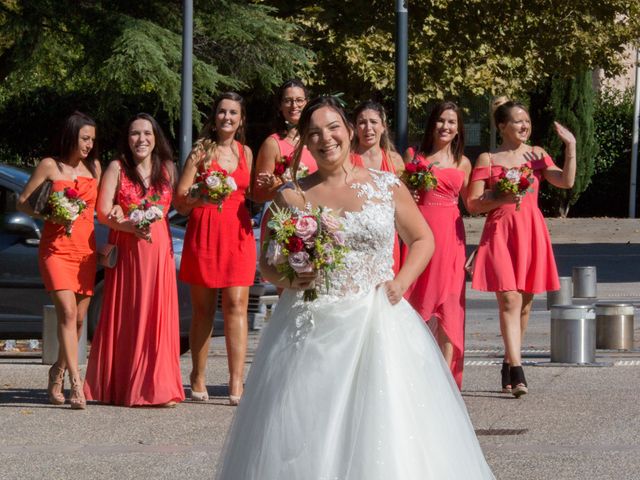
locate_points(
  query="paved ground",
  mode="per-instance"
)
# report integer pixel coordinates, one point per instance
(577, 422)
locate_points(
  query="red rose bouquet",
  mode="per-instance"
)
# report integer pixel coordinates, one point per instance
(305, 242)
(145, 213)
(517, 180)
(214, 187)
(419, 176)
(282, 169)
(64, 207)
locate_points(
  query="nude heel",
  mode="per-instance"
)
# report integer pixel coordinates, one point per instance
(76, 399)
(55, 386)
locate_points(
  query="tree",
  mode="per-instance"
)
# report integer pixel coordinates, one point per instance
(114, 58)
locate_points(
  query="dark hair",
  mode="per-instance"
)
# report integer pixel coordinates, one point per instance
(385, 141)
(305, 119)
(208, 135)
(69, 139)
(161, 153)
(502, 107)
(457, 145)
(279, 123)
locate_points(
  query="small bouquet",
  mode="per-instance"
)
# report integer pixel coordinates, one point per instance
(305, 242)
(214, 187)
(517, 180)
(419, 176)
(283, 169)
(64, 207)
(145, 213)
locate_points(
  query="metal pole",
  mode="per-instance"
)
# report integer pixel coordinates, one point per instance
(634, 145)
(402, 60)
(186, 108)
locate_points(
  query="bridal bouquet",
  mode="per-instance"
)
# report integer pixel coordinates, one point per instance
(305, 242)
(283, 169)
(517, 180)
(214, 187)
(419, 176)
(64, 207)
(145, 213)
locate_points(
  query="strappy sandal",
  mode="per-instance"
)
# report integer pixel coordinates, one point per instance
(55, 386)
(76, 399)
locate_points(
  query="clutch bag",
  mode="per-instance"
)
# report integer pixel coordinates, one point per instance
(39, 198)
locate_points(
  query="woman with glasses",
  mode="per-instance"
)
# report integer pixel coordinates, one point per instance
(276, 152)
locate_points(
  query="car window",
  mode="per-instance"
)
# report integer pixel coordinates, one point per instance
(8, 200)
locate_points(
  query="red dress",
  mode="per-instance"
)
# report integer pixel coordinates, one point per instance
(69, 263)
(135, 352)
(515, 249)
(385, 166)
(286, 150)
(219, 246)
(439, 290)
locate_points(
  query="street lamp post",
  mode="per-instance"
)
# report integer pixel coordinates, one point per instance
(634, 145)
(186, 107)
(402, 91)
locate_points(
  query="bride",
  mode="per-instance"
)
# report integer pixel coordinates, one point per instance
(351, 386)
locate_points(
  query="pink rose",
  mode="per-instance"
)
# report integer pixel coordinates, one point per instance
(339, 237)
(274, 254)
(306, 227)
(330, 222)
(300, 263)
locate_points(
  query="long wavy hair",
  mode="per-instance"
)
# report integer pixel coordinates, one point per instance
(69, 139)
(161, 153)
(457, 145)
(385, 140)
(279, 123)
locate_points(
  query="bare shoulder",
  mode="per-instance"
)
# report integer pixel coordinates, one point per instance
(539, 152)
(289, 197)
(47, 165)
(483, 160)
(98, 167)
(465, 164)
(248, 154)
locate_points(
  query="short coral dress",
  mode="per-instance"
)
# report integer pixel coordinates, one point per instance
(515, 252)
(69, 263)
(219, 246)
(286, 150)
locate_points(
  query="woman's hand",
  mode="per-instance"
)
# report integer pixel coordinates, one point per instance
(565, 134)
(116, 213)
(266, 180)
(394, 290)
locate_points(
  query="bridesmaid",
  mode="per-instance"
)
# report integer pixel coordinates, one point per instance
(372, 147)
(219, 251)
(68, 263)
(291, 98)
(135, 353)
(514, 258)
(438, 293)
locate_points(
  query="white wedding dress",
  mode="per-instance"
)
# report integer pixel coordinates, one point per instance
(349, 387)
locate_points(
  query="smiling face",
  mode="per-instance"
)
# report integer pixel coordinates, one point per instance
(328, 137)
(446, 127)
(142, 140)
(369, 128)
(518, 127)
(228, 116)
(291, 104)
(86, 139)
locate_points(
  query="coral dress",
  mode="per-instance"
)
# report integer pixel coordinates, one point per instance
(135, 352)
(219, 246)
(286, 150)
(69, 263)
(515, 249)
(385, 166)
(439, 290)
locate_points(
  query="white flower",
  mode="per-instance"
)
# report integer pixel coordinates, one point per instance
(149, 215)
(513, 175)
(157, 212)
(213, 181)
(137, 216)
(73, 209)
(65, 203)
(231, 183)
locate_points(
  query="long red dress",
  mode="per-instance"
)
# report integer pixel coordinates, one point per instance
(439, 290)
(286, 150)
(385, 166)
(69, 263)
(219, 246)
(135, 352)
(515, 249)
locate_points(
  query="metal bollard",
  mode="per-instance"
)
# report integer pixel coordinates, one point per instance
(573, 334)
(614, 326)
(50, 343)
(562, 296)
(585, 283)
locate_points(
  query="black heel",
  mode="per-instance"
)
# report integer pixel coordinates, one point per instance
(505, 378)
(518, 382)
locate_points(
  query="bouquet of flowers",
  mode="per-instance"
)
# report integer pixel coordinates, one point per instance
(419, 176)
(283, 169)
(305, 242)
(214, 187)
(517, 180)
(145, 213)
(64, 207)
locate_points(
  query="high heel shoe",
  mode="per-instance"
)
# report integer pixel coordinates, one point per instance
(76, 399)
(505, 378)
(234, 400)
(518, 382)
(55, 386)
(198, 396)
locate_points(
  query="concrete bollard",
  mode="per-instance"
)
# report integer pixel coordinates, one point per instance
(50, 343)
(573, 334)
(614, 326)
(562, 296)
(585, 283)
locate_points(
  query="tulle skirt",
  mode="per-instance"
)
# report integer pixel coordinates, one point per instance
(354, 389)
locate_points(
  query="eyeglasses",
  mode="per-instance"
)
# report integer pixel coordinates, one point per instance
(290, 101)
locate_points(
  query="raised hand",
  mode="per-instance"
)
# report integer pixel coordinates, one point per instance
(565, 134)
